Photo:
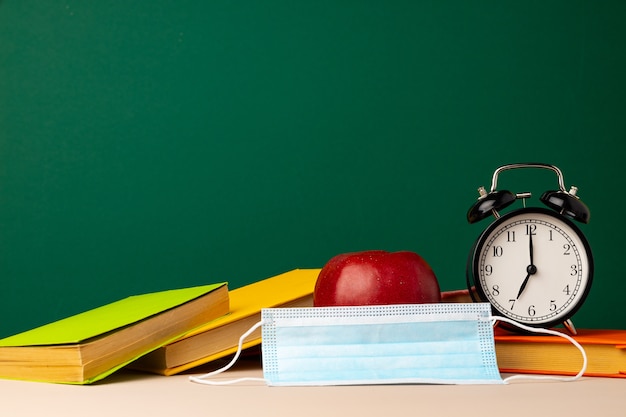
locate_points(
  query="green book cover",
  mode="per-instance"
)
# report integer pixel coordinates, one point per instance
(92, 323)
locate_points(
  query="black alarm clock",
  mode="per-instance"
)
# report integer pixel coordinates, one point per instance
(533, 264)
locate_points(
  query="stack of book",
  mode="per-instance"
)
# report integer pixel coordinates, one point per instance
(165, 332)
(173, 331)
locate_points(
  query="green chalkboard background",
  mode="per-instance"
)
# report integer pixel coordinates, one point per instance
(159, 144)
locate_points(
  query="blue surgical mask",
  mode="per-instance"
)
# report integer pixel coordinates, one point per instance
(413, 343)
(390, 344)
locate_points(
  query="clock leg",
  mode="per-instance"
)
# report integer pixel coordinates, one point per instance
(570, 327)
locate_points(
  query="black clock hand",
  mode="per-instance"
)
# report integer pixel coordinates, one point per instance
(521, 290)
(530, 269)
(530, 247)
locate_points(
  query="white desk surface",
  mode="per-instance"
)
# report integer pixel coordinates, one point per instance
(128, 393)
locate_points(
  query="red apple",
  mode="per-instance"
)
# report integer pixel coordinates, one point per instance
(375, 278)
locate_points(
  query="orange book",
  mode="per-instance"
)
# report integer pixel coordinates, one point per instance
(220, 337)
(544, 354)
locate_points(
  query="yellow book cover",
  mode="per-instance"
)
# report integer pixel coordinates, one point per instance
(220, 337)
(89, 346)
(543, 354)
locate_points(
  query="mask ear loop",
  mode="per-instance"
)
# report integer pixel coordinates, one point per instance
(550, 332)
(202, 379)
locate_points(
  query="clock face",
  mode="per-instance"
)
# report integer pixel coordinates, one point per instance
(533, 266)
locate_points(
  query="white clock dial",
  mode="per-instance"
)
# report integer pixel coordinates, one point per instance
(533, 266)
